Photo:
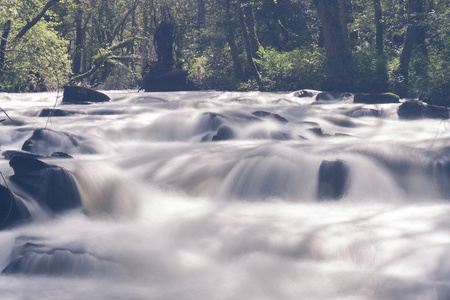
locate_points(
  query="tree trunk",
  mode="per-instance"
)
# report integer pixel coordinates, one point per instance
(36, 19)
(251, 26)
(79, 40)
(248, 47)
(3, 42)
(201, 14)
(379, 26)
(343, 18)
(408, 46)
(232, 42)
(336, 49)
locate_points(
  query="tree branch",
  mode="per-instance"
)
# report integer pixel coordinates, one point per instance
(36, 19)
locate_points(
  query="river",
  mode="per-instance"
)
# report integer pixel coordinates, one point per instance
(218, 195)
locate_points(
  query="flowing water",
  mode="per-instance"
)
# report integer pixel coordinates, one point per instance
(216, 195)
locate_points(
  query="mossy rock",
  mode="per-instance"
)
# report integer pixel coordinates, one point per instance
(377, 98)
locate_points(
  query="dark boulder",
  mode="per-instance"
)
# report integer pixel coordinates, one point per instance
(437, 112)
(13, 210)
(265, 114)
(81, 95)
(167, 81)
(333, 179)
(377, 98)
(51, 186)
(48, 112)
(412, 110)
(47, 141)
(223, 134)
(332, 96)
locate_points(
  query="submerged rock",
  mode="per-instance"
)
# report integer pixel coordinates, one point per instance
(33, 256)
(265, 114)
(333, 179)
(223, 134)
(211, 121)
(366, 112)
(81, 95)
(442, 174)
(377, 98)
(50, 186)
(12, 209)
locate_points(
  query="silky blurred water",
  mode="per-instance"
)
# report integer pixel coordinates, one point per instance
(169, 213)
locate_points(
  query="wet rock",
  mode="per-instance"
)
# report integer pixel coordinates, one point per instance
(377, 98)
(412, 110)
(81, 95)
(333, 179)
(51, 186)
(304, 94)
(265, 114)
(223, 134)
(47, 141)
(13, 210)
(332, 96)
(48, 112)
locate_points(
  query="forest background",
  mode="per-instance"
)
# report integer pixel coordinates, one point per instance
(401, 46)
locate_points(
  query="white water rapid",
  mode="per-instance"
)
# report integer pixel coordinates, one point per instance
(217, 196)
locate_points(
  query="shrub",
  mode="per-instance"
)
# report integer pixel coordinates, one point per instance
(297, 69)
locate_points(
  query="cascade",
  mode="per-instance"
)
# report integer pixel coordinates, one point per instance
(222, 195)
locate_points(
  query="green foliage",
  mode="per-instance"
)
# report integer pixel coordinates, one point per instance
(37, 61)
(117, 42)
(297, 69)
(371, 72)
(212, 70)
